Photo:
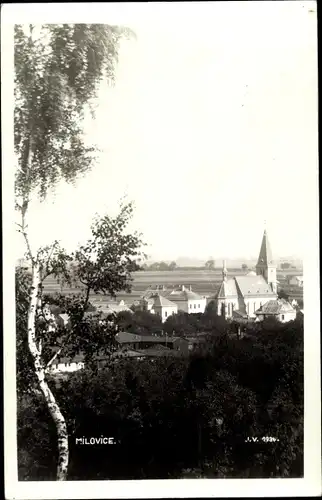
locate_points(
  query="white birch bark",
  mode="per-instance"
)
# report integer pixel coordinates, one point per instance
(61, 427)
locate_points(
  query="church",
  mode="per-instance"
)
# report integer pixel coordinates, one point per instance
(241, 296)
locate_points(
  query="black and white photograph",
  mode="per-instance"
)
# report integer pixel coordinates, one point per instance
(161, 250)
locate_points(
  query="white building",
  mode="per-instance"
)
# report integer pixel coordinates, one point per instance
(110, 307)
(242, 296)
(67, 365)
(279, 309)
(184, 298)
(163, 307)
(188, 301)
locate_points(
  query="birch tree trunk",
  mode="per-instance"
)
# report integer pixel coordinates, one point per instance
(61, 427)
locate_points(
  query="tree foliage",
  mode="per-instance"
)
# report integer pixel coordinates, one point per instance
(102, 265)
(190, 417)
(139, 322)
(57, 71)
(282, 294)
(210, 264)
(183, 323)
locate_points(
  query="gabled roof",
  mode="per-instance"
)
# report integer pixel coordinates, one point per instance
(127, 337)
(161, 301)
(177, 295)
(123, 337)
(278, 306)
(184, 295)
(265, 255)
(193, 295)
(254, 285)
(228, 289)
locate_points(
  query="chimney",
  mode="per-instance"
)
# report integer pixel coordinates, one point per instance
(183, 288)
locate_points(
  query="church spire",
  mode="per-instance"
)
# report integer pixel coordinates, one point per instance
(265, 266)
(265, 255)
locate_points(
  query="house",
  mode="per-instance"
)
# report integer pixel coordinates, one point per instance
(296, 281)
(110, 307)
(279, 309)
(188, 301)
(156, 303)
(65, 364)
(184, 298)
(163, 307)
(240, 297)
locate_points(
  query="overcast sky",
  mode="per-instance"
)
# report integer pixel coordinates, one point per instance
(211, 129)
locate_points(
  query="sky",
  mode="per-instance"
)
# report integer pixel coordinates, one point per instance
(211, 129)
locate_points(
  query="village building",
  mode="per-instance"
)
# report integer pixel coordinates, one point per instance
(163, 307)
(242, 296)
(181, 298)
(67, 365)
(110, 307)
(279, 309)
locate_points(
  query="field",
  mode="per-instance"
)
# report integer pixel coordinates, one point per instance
(202, 281)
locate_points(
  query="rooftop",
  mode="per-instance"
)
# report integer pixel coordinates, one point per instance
(228, 289)
(161, 301)
(265, 254)
(275, 307)
(253, 285)
(127, 337)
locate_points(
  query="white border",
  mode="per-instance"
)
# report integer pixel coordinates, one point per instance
(310, 485)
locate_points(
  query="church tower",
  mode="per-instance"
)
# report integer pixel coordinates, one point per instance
(265, 265)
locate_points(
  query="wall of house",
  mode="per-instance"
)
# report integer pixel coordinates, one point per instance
(182, 305)
(165, 312)
(196, 306)
(283, 317)
(253, 304)
(231, 305)
(67, 367)
(288, 316)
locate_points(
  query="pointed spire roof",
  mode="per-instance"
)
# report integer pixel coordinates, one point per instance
(265, 255)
